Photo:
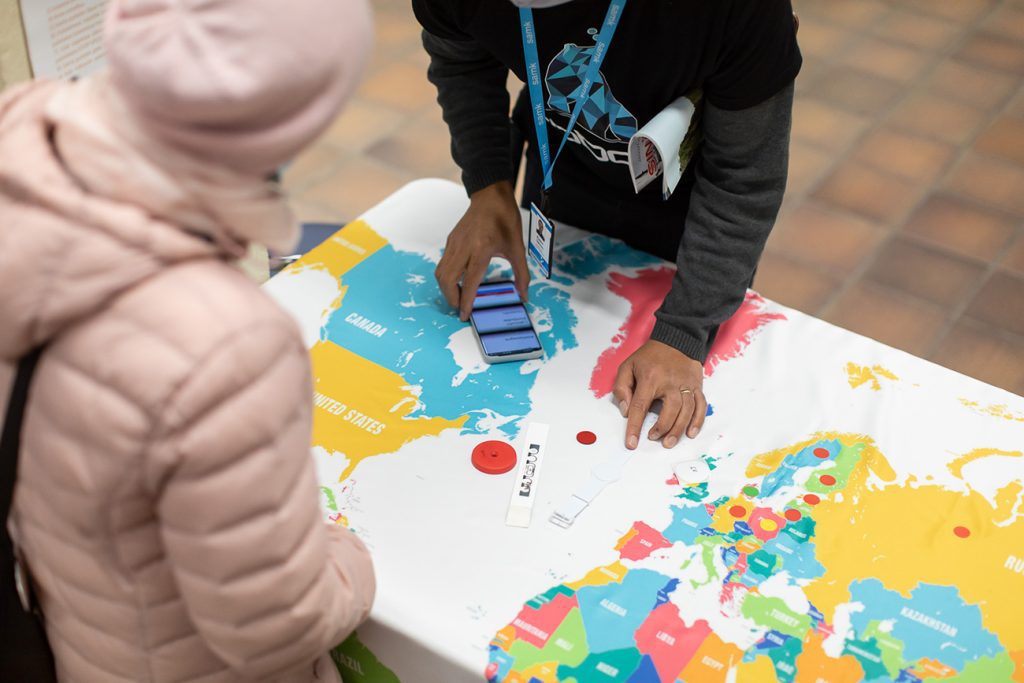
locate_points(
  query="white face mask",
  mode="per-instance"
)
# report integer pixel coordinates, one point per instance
(538, 4)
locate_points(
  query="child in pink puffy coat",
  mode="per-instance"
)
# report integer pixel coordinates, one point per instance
(166, 502)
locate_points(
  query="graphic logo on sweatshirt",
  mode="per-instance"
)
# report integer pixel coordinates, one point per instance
(602, 115)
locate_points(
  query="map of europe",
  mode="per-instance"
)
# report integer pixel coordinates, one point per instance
(823, 566)
(807, 573)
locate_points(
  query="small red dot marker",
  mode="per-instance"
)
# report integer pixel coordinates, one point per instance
(793, 515)
(586, 438)
(821, 453)
(494, 457)
(827, 480)
(812, 499)
(962, 531)
(737, 511)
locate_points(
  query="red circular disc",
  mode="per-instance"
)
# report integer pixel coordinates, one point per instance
(494, 457)
(737, 511)
(793, 515)
(812, 499)
(962, 531)
(821, 453)
(586, 438)
(827, 479)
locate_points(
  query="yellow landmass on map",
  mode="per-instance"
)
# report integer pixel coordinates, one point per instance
(342, 251)
(905, 535)
(995, 410)
(362, 409)
(712, 661)
(956, 466)
(602, 576)
(760, 670)
(931, 668)
(546, 672)
(814, 666)
(338, 254)
(861, 374)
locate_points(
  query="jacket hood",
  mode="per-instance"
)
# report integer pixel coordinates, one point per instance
(65, 254)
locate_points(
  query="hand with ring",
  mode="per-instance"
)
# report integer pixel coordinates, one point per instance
(657, 371)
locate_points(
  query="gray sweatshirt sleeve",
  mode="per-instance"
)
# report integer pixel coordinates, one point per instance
(740, 180)
(474, 103)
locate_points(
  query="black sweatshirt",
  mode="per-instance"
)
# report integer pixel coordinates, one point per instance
(740, 54)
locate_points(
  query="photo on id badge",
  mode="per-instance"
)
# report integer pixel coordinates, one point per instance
(542, 241)
(502, 325)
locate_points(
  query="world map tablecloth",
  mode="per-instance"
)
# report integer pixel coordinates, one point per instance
(862, 521)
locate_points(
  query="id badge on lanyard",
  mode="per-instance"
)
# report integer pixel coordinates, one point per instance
(542, 230)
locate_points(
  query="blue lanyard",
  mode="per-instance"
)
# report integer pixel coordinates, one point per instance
(533, 80)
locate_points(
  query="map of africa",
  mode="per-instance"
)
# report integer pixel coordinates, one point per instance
(842, 537)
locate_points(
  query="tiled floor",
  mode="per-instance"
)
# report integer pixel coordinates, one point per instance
(904, 217)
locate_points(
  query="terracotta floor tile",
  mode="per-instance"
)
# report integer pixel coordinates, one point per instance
(1000, 302)
(1007, 21)
(857, 90)
(421, 147)
(925, 272)
(897, 63)
(312, 164)
(1013, 259)
(981, 352)
(396, 32)
(963, 11)
(971, 85)
(820, 39)
(962, 226)
(1004, 139)
(794, 284)
(1016, 106)
(825, 126)
(868, 192)
(916, 29)
(994, 52)
(849, 13)
(832, 242)
(807, 165)
(313, 213)
(938, 117)
(400, 85)
(989, 180)
(888, 316)
(354, 187)
(363, 123)
(914, 158)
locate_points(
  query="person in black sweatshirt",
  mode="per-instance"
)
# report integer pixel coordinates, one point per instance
(736, 58)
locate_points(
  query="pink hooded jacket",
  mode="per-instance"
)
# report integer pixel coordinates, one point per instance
(166, 500)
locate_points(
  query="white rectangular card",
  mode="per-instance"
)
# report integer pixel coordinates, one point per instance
(542, 240)
(524, 492)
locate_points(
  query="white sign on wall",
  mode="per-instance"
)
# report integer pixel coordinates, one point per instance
(65, 37)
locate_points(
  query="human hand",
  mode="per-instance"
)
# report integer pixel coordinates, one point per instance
(492, 226)
(658, 371)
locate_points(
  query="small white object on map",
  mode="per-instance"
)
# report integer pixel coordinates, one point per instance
(520, 507)
(691, 472)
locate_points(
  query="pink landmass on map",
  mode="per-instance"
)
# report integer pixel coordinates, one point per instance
(646, 540)
(736, 333)
(645, 292)
(535, 626)
(670, 642)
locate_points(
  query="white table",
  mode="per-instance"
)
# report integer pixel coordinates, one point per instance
(911, 474)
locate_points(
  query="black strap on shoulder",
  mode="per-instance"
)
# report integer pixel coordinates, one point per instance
(24, 650)
(10, 438)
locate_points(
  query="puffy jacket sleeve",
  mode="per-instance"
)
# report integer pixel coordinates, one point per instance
(268, 585)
